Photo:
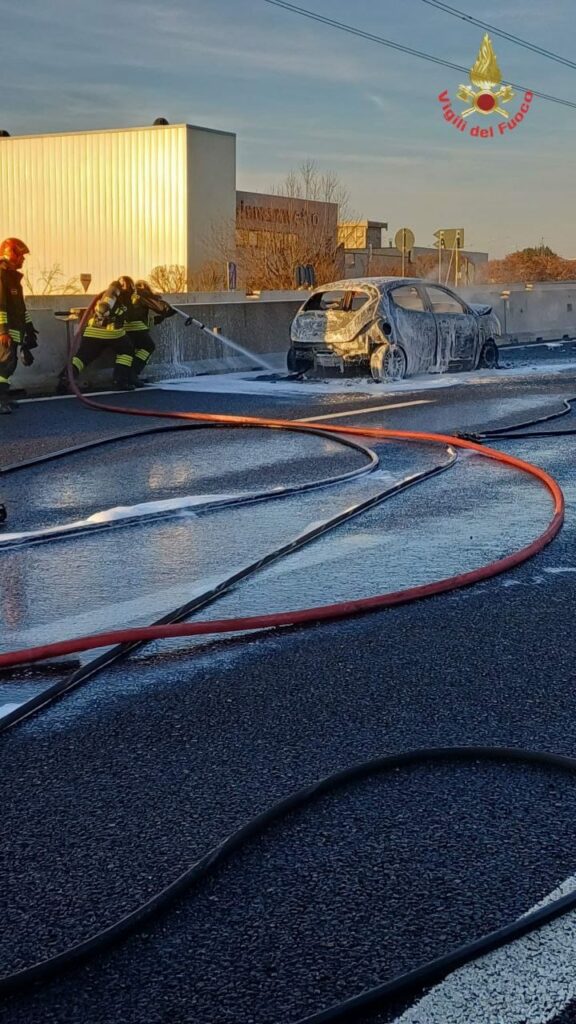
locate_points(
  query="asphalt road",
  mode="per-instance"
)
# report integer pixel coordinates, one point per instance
(110, 794)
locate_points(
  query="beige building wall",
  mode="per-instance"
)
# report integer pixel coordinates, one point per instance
(211, 195)
(115, 202)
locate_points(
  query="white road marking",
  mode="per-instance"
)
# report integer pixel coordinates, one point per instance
(528, 982)
(59, 398)
(361, 412)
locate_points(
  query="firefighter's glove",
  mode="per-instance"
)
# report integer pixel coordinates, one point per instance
(31, 336)
(164, 315)
(26, 357)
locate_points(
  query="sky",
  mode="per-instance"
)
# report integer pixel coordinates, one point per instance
(292, 90)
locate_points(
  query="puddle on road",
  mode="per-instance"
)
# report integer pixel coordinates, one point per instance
(462, 520)
(166, 467)
(134, 574)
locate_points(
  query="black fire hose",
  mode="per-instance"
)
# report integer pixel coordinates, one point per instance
(510, 433)
(411, 982)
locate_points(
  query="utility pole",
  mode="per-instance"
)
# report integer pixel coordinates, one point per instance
(505, 296)
(458, 244)
(441, 244)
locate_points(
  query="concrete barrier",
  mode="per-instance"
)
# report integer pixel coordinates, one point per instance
(261, 324)
(544, 312)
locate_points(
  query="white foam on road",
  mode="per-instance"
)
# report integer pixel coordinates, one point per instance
(120, 512)
(250, 384)
(528, 982)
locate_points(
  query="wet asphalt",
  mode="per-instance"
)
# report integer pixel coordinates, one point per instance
(110, 794)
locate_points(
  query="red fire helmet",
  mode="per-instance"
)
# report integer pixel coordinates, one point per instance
(13, 250)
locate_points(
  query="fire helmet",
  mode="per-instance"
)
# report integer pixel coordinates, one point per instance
(13, 251)
(126, 284)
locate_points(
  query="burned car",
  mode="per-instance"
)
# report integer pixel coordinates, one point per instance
(395, 326)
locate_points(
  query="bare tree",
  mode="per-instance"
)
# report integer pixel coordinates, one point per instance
(51, 282)
(173, 279)
(169, 278)
(309, 182)
(283, 237)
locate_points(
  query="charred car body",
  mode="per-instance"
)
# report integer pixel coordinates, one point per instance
(395, 326)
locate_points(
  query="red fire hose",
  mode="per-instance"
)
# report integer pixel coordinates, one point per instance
(324, 612)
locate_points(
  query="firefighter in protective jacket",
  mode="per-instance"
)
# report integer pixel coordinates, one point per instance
(17, 332)
(105, 329)
(144, 311)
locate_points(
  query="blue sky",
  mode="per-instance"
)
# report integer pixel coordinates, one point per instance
(292, 89)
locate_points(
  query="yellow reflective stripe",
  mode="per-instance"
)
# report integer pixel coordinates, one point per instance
(136, 325)
(28, 317)
(15, 335)
(123, 360)
(78, 363)
(4, 380)
(3, 317)
(106, 334)
(143, 354)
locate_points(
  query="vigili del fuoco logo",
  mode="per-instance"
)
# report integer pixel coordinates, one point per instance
(485, 96)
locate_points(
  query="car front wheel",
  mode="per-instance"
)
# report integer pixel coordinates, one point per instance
(297, 362)
(388, 362)
(489, 356)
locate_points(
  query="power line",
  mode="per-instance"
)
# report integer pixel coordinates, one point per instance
(351, 30)
(447, 9)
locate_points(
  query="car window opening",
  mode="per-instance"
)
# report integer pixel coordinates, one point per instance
(408, 297)
(326, 301)
(443, 302)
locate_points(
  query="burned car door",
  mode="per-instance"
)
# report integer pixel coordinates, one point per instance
(457, 328)
(415, 327)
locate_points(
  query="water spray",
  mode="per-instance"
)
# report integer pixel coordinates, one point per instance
(190, 321)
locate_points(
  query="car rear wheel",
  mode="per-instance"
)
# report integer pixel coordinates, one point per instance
(297, 362)
(489, 356)
(388, 362)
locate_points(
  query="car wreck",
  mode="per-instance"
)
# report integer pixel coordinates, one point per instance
(395, 327)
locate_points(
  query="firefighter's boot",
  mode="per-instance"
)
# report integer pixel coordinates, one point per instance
(63, 385)
(6, 406)
(138, 365)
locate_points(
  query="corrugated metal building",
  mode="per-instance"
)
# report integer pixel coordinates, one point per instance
(118, 202)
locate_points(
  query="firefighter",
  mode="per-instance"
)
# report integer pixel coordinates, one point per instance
(17, 332)
(144, 311)
(105, 329)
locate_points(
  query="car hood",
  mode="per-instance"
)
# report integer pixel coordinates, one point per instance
(481, 308)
